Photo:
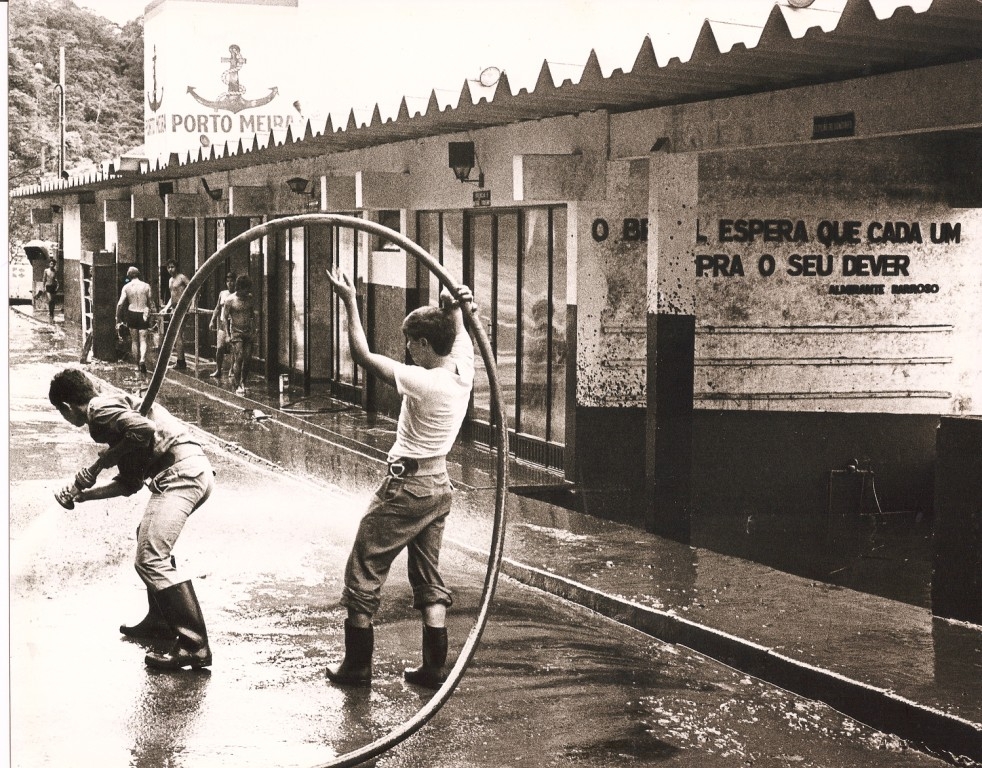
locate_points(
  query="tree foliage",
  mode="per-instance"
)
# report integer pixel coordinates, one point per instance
(103, 89)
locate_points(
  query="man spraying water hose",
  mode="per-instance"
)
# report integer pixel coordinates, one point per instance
(410, 508)
(159, 450)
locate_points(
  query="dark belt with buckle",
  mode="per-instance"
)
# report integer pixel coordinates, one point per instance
(403, 467)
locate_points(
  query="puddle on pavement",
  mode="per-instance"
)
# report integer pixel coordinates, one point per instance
(886, 554)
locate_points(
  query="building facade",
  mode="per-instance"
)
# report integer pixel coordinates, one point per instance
(711, 286)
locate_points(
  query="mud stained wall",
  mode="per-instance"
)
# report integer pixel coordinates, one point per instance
(778, 463)
(611, 290)
(839, 277)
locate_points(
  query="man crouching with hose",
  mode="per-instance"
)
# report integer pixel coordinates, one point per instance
(159, 450)
(410, 508)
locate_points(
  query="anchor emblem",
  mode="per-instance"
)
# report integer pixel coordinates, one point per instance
(232, 99)
(153, 100)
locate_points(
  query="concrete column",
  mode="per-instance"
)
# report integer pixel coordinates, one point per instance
(956, 586)
(610, 331)
(673, 197)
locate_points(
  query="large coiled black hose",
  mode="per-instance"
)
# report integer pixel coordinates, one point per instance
(214, 262)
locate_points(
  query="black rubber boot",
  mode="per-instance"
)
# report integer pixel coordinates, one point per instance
(180, 608)
(153, 626)
(356, 667)
(433, 672)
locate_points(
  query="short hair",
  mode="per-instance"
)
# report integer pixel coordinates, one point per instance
(132, 272)
(230, 276)
(243, 283)
(71, 387)
(435, 325)
(171, 263)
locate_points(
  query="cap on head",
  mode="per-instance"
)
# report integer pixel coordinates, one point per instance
(132, 272)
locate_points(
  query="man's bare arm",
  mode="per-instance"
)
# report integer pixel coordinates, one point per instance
(380, 365)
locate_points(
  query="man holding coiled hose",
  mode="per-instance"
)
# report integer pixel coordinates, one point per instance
(410, 508)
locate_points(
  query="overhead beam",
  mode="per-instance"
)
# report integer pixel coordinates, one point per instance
(377, 189)
(184, 205)
(339, 193)
(117, 210)
(249, 201)
(147, 206)
(894, 104)
(548, 177)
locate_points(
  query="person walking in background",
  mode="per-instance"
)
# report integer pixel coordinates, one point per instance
(51, 286)
(133, 310)
(221, 341)
(410, 508)
(157, 449)
(240, 321)
(177, 284)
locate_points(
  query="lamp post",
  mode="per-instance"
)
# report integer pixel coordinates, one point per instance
(39, 68)
(61, 112)
(60, 87)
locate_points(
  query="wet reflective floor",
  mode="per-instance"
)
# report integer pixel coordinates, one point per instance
(552, 684)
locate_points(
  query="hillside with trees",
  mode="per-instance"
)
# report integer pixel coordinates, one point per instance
(103, 92)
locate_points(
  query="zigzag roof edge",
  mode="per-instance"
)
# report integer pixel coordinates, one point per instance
(855, 17)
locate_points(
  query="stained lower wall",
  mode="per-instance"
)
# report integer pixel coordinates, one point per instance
(609, 463)
(747, 463)
(957, 576)
(764, 464)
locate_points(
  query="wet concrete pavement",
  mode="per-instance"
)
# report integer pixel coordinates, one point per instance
(267, 559)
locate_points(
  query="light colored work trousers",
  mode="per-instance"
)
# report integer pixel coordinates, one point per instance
(175, 493)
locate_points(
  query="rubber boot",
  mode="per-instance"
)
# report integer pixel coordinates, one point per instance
(433, 672)
(153, 626)
(180, 608)
(356, 667)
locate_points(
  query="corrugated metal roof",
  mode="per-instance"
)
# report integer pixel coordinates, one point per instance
(859, 45)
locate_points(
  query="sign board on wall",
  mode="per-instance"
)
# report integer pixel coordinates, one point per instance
(849, 256)
(215, 74)
(856, 307)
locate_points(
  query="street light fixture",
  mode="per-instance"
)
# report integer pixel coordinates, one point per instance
(462, 160)
(39, 68)
(60, 87)
(61, 113)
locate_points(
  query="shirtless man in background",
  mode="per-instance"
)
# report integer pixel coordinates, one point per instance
(177, 284)
(133, 310)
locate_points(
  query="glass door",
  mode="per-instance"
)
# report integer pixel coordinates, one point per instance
(517, 263)
(542, 386)
(347, 378)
